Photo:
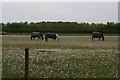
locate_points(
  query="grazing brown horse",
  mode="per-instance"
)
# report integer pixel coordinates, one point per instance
(54, 36)
(97, 35)
(36, 34)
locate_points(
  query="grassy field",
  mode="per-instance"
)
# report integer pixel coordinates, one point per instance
(71, 57)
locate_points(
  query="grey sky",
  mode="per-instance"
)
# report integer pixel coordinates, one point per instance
(96, 12)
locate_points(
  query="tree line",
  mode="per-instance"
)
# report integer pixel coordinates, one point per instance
(60, 27)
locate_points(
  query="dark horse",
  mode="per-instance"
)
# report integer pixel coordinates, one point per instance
(36, 34)
(97, 35)
(54, 36)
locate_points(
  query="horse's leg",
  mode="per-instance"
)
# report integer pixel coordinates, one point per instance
(46, 39)
(31, 37)
(93, 38)
(52, 40)
(99, 38)
(34, 38)
(42, 37)
(38, 37)
(55, 38)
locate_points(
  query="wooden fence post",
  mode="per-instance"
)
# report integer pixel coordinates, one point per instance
(26, 62)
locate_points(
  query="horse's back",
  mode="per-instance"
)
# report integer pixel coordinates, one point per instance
(35, 34)
(50, 35)
(96, 34)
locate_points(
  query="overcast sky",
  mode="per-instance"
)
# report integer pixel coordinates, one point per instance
(91, 12)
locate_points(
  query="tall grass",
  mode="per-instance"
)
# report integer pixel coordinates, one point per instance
(71, 57)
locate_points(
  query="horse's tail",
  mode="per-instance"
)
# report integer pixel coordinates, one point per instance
(102, 37)
(31, 37)
(42, 37)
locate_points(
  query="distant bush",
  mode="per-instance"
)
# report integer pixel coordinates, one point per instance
(60, 27)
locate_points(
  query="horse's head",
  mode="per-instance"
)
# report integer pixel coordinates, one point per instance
(57, 37)
(102, 37)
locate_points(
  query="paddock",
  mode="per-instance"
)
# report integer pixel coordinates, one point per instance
(71, 57)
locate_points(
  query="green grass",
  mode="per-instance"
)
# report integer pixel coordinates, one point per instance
(71, 42)
(71, 57)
